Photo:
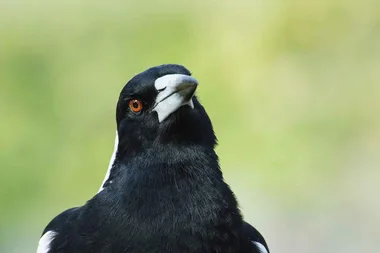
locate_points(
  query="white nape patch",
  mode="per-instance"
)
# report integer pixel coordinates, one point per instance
(171, 95)
(45, 241)
(111, 162)
(261, 247)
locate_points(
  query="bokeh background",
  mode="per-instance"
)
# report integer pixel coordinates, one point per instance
(292, 88)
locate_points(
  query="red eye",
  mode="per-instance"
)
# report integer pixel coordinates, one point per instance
(135, 105)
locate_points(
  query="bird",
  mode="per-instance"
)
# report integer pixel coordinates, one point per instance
(164, 189)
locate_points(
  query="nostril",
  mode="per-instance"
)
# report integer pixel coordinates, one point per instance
(161, 89)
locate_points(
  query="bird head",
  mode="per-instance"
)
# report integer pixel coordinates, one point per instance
(159, 106)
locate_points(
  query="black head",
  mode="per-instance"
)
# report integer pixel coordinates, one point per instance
(159, 106)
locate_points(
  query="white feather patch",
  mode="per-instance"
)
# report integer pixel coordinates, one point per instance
(111, 162)
(45, 241)
(260, 247)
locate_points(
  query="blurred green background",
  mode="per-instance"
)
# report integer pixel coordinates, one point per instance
(292, 88)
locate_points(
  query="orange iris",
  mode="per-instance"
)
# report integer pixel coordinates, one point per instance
(135, 105)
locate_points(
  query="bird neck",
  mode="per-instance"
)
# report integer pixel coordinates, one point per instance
(165, 164)
(174, 169)
(170, 181)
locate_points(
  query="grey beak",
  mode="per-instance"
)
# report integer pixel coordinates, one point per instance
(174, 91)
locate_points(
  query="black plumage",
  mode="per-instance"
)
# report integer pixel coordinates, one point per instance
(165, 191)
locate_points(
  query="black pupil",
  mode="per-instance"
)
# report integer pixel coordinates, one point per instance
(135, 104)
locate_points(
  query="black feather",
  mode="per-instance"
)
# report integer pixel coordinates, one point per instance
(166, 192)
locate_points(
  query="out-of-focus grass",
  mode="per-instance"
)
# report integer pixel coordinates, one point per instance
(292, 89)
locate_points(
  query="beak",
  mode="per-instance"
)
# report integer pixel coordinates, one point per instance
(174, 91)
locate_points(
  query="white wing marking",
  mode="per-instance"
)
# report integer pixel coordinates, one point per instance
(44, 243)
(261, 247)
(111, 162)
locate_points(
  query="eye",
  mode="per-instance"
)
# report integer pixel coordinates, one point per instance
(135, 105)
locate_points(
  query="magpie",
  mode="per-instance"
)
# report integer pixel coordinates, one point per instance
(164, 190)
